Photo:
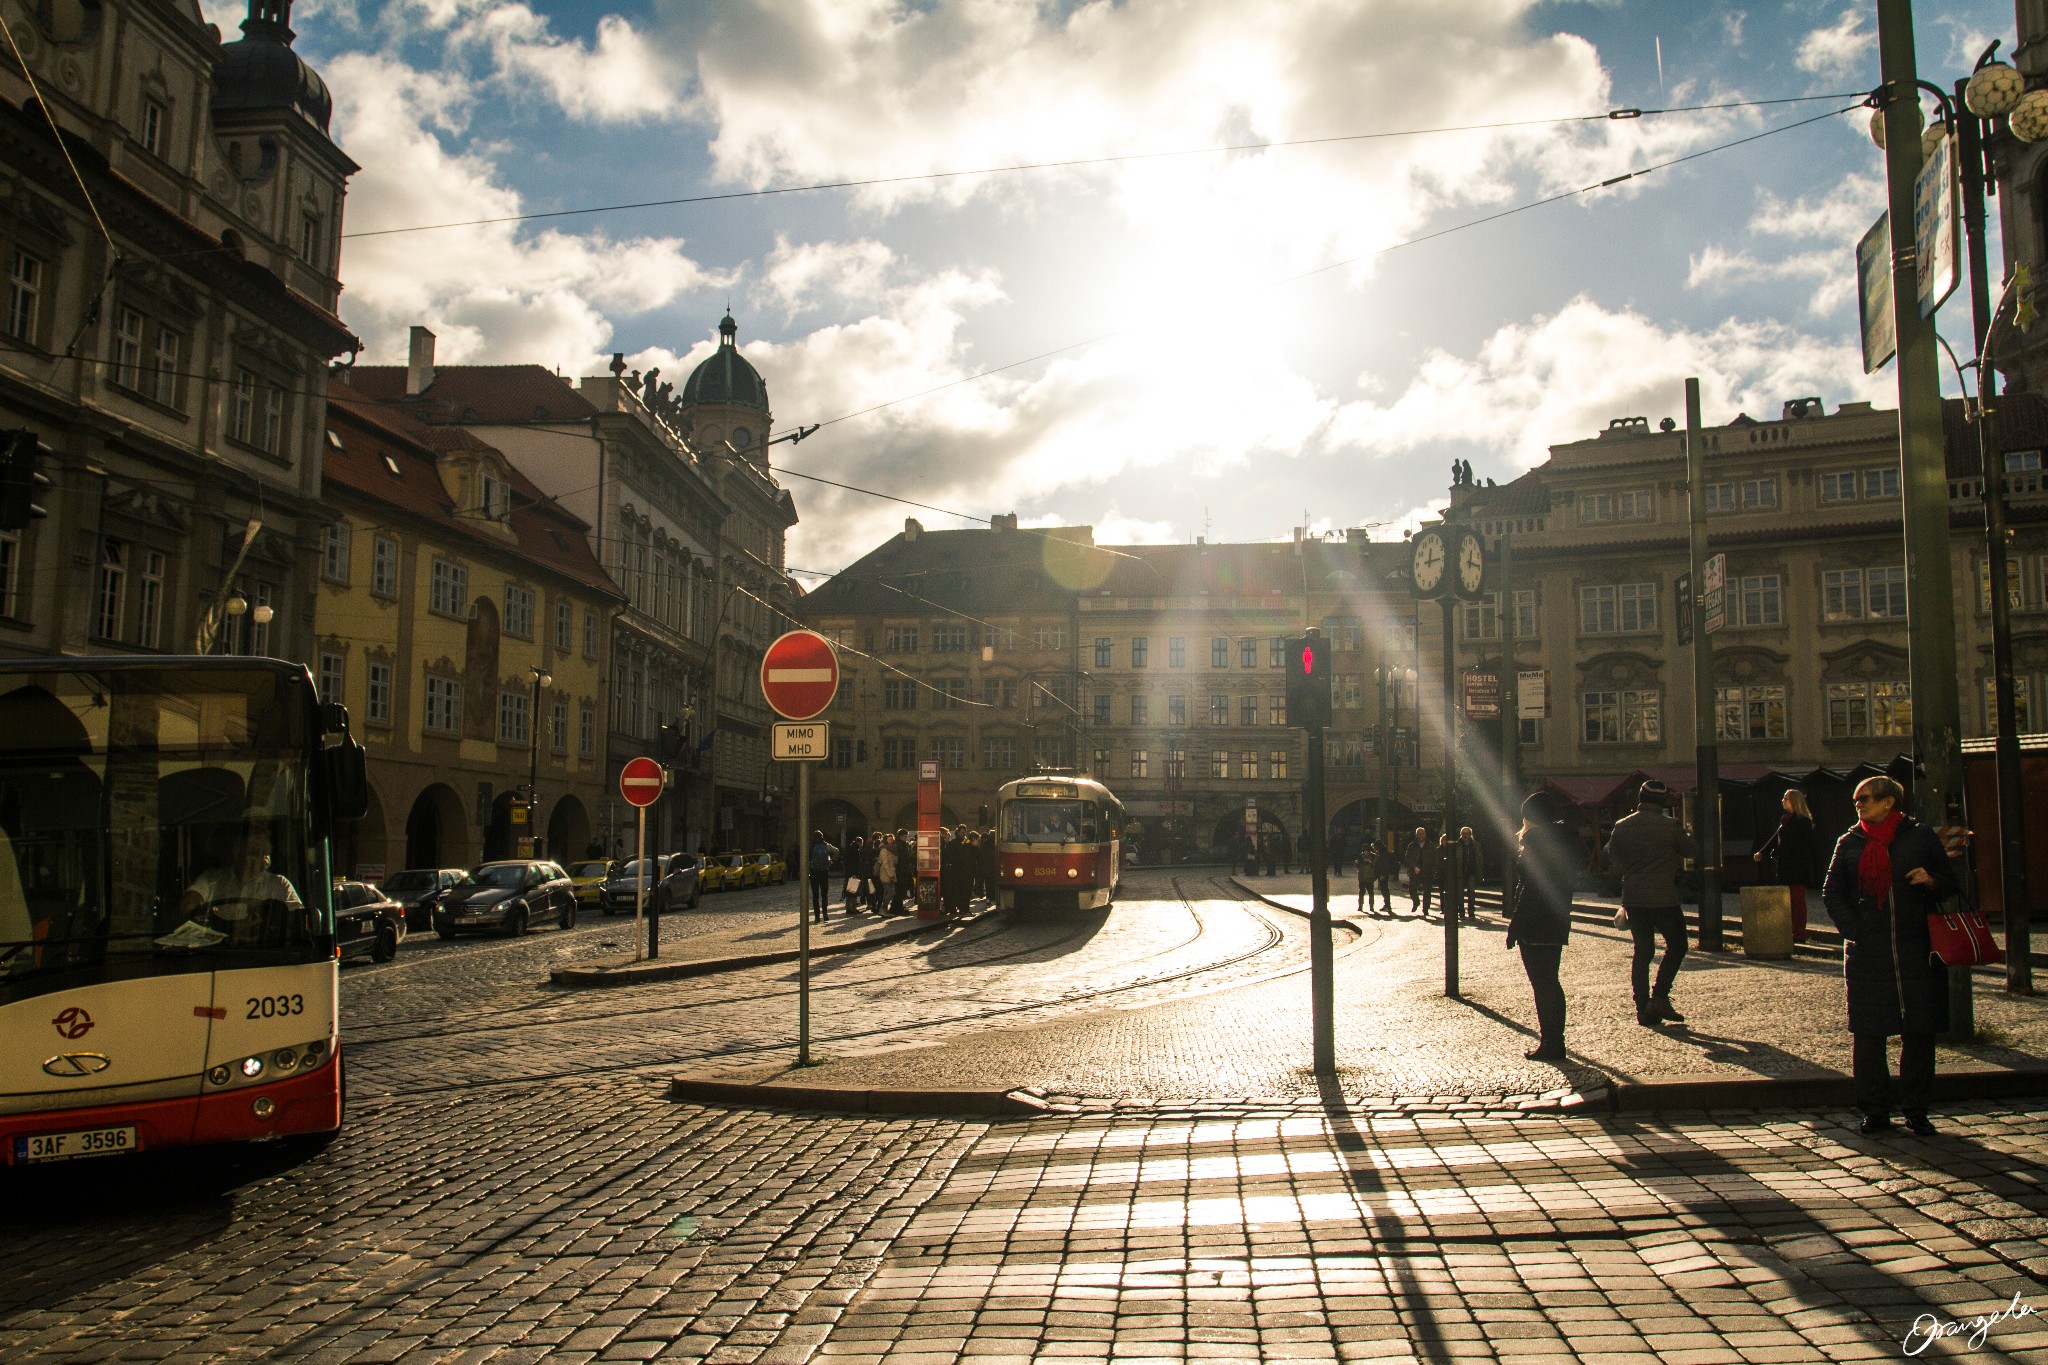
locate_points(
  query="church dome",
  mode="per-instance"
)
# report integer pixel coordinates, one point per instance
(262, 72)
(726, 377)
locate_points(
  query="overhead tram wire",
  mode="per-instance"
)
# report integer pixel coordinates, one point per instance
(952, 699)
(1611, 115)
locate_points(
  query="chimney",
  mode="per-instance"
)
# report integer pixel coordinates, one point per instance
(419, 366)
(912, 528)
(1003, 521)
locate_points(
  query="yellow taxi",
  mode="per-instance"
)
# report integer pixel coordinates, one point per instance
(768, 868)
(589, 877)
(737, 872)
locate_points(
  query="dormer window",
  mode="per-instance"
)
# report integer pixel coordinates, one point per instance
(494, 495)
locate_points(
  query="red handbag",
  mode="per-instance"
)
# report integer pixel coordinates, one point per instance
(1961, 937)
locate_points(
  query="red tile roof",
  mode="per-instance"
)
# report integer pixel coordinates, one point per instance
(478, 393)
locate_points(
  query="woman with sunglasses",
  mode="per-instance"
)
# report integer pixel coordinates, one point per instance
(1888, 872)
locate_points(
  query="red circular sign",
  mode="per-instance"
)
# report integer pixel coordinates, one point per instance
(641, 781)
(799, 674)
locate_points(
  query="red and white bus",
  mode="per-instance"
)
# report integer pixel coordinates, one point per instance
(168, 967)
(1058, 843)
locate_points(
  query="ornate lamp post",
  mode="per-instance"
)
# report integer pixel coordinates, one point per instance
(540, 679)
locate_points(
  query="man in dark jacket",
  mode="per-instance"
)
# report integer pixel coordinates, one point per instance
(1647, 848)
(821, 874)
(1540, 923)
(1424, 861)
(1887, 875)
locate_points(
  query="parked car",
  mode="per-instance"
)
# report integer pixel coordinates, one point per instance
(673, 883)
(509, 897)
(735, 871)
(367, 923)
(768, 867)
(711, 872)
(589, 879)
(419, 890)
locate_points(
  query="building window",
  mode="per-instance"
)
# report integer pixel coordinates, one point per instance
(444, 705)
(2015, 590)
(1248, 652)
(1886, 591)
(949, 639)
(1530, 733)
(565, 627)
(309, 239)
(149, 600)
(384, 566)
(334, 553)
(1480, 620)
(586, 731)
(1276, 652)
(1102, 651)
(1049, 751)
(1759, 493)
(558, 727)
(1176, 652)
(1276, 763)
(899, 694)
(1176, 709)
(1756, 712)
(1248, 710)
(1635, 504)
(952, 694)
(1141, 709)
(1050, 639)
(448, 591)
(330, 676)
(1276, 708)
(1219, 652)
(518, 611)
(1248, 763)
(590, 635)
(10, 574)
(1617, 607)
(1760, 600)
(1101, 713)
(153, 116)
(995, 637)
(1628, 717)
(25, 297)
(999, 753)
(377, 704)
(1219, 710)
(950, 751)
(1842, 594)
(128, 349)
(999, 692)
(2022, 696)
(111, 602)
(1101, 764)
(1839, 485)
(514, 717)
(1219, 763)
(1141, 651)
(1864, 709)
(1882, 482)
(1525, 613)
(900, 639)
(2022, 461)
(493, 503)
(1720, 497)
(165, 374)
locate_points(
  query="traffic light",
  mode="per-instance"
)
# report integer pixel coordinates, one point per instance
(1308, 682)
(20, 482)
(668, 746)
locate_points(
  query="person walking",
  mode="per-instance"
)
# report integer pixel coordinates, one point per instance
(1647, 848)
(1424, 861)
(1269, 851)
(1540, 924)
(885, 873)
(1888, 873)
(821, 875)
(1790, 851)
(1386, 865)
(1468, 871)
(906, 875)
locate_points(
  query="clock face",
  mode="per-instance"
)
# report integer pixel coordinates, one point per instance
(1471, 564)
(1430, 554)
(742, 438)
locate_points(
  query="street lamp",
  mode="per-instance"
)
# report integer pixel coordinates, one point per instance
(1390, 678)
(541, 679)
(1993, 91)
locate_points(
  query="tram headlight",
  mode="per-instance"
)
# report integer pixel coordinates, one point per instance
(1017, 872)
(1073, 872)
(252, 1067)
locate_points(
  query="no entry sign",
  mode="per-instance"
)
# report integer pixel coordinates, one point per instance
(799, 674)
(641, 781)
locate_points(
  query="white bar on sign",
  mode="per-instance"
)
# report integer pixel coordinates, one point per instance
(798, 675)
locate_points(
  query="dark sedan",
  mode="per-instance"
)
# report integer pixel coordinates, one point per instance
(367, 923)
(671, 885)
(420, 889)
(508, 897)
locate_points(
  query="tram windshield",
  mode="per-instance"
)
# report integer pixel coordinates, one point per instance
(1049, 822)
(154, 822)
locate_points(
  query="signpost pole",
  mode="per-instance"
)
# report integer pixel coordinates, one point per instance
(803, 920)
(799, 679)
(1451, 896)
(1321, 954)
(640, 884)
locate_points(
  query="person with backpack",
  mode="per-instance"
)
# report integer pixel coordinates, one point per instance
(1647, 848)
(822, 854)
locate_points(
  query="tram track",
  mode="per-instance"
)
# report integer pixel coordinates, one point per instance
(1271, 937)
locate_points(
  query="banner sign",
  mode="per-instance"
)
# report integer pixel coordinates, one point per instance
(1531, 693)
(1482, 696)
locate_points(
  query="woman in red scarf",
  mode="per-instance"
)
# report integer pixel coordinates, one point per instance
(1888, 872)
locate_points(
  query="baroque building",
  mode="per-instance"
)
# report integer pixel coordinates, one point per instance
(171, 280)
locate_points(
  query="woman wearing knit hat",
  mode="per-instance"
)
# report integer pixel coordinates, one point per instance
(1541, 922)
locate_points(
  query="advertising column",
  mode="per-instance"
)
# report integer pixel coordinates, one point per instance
(928, 904)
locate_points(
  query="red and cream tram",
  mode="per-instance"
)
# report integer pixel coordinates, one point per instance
(1058, 843)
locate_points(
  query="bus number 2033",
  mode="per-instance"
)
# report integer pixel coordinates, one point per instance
(275, 1006)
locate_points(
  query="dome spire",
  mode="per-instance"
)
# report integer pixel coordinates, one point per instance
(270, 19)
(728, 330)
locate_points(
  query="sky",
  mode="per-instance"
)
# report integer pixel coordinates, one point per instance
(1189, 329)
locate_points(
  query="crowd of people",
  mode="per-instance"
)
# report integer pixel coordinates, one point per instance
(1423, 863)
(876, 874)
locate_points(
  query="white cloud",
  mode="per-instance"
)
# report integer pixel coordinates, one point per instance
(1830, 274)
(490, 293)
(1114, 528)
(1563, 377)
(621, 78)
(1843, 48)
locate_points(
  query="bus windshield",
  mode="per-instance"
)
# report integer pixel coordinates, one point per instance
(1048, 822)
(154, 822)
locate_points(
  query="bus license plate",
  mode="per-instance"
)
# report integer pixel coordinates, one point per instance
(64, 1146)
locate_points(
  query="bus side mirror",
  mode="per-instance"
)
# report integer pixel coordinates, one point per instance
(342, 767)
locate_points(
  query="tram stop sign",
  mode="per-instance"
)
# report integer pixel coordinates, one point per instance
(641, 781)
(799, 675)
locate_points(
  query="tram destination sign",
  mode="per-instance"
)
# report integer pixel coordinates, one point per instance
(803, 741)
(799, 675)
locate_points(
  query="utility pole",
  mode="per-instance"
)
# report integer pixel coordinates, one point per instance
(1923, 481)
(1452, 895)
(1706, 740)
(1510, 724)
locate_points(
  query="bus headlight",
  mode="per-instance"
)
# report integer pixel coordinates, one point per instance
(284, 1059)
(252, 1066)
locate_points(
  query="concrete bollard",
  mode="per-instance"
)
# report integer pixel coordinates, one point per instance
(1766, 921)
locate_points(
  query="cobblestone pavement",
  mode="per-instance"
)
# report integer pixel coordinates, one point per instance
(513, 1186)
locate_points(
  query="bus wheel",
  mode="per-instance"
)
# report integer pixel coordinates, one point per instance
(386, 946)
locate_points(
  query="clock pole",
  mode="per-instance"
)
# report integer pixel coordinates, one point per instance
(1452, 898)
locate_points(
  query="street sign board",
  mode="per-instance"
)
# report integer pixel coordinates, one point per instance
(799, 674)
(806, 741)
(1531, 699)
(1251, 817)
(641, 781)
(1717, 592)
(1681, 593)
(1937, 226)
(1482, 696)
(1874, 294)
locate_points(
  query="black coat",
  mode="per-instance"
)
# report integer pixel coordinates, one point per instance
(1792, 845)
(1543, 888)
(1895, 983)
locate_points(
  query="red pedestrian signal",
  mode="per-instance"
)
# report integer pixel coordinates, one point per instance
(1308, 691)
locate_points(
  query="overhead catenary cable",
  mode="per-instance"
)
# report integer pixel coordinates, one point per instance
(1611, 115)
